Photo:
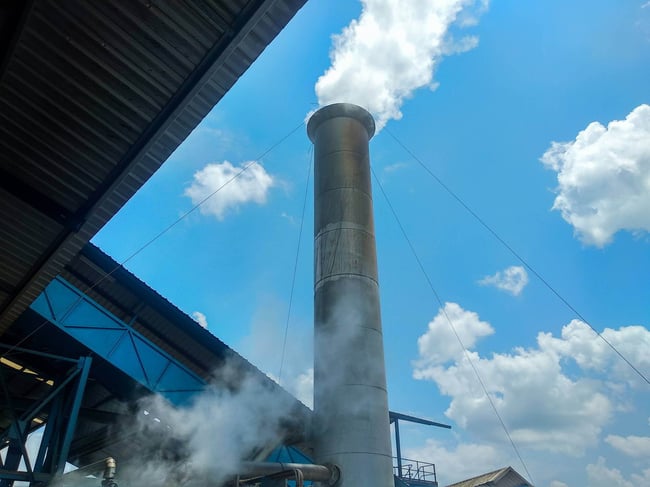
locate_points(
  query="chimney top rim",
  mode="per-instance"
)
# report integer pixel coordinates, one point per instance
(348, 110)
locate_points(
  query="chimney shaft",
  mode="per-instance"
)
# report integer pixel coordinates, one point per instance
(351, 425)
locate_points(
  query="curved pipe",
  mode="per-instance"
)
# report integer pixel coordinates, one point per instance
(296, 474)
(320, 473)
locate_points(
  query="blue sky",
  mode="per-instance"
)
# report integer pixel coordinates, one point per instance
(506, 80)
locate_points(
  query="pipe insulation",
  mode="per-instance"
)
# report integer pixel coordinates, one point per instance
(351, 425)
(319, 473)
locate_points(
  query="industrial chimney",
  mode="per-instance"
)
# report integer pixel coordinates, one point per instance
(351, 425)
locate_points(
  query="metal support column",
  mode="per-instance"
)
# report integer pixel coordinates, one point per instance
(398, 447)
(15, 438)
(422, 469)
(60, 405)
(75, 398)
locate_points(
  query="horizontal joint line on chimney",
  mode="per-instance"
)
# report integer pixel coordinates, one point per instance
(321, 233)
(332, 277)
(338, 188)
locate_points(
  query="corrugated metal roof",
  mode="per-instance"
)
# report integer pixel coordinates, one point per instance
(108, 402)
(130, 299)
(94, 96)
(504, 477)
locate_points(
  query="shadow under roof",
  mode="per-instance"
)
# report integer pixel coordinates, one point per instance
(94, 96)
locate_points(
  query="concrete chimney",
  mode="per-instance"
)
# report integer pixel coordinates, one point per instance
(351, 425)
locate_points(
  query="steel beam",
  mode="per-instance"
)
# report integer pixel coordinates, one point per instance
(398, 448)
(62, 404)
(395, 418)
(414, 419)
(12, 475)
(75, 399)
(114, 340)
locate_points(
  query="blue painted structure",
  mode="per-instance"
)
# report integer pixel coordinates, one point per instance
(98, 329)
(412, 472)
(62, 404)
(118, 343)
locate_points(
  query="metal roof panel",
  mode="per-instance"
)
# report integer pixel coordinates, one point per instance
(94, 96)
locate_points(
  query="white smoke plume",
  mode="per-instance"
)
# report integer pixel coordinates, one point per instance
(348, 356)
(380, 59)
(238, 418)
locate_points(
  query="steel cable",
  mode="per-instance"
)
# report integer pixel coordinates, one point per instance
(451, 325)
(295, 265)
(157, 236)
(493, 232)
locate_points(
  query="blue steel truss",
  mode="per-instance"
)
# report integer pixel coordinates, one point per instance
(62, 405)
(106, 335)
(114, 340)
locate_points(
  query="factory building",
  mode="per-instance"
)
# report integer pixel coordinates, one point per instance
(504, 477)
(94, 96)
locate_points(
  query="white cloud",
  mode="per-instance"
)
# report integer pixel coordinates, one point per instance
(599, 475)
(578, 342)
(228, 187)
(604, 178)
(439, 344)
(463, 461)
(290, 218)
(634, 446)
(201, 319)
(557, 483)
(380, 59)
(512, 280)
(544, 407)
(398, 166)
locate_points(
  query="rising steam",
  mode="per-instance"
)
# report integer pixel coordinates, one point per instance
(380, 59)
(241, 417)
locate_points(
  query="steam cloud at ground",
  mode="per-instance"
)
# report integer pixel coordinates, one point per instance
(237, 418)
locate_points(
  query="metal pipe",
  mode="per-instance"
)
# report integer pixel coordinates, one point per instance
(107, 467)
(109, 473)
(73, 412)
(319, 473)
(351, 426)
(273, 479)
(398, 448)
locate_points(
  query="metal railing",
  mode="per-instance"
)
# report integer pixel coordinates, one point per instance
(414, 470)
